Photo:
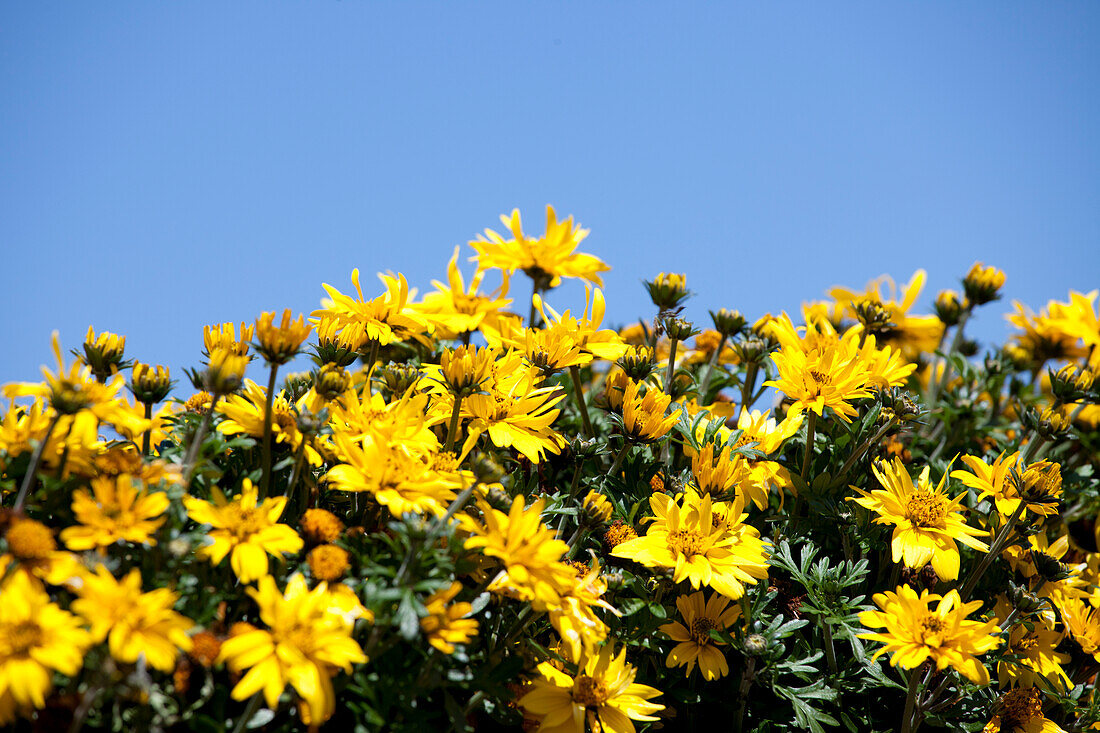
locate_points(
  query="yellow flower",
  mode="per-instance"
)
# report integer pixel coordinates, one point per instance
(223, 337)
(245, 414)
(1030, 651)
(717, 474)
(701, 545)
(455, 309)
(596, 509)
(585, 331)
(224, 372)
(32, 548)
(135, 624)
(150, 384)
(37, 638)
(306, 640)
(1021, 711)
(400, 480)
(994, 481)
(545, 260)
(914, 632)
(247, 530)
(321, 526)
(574, 617)
(383, 320)
(927, 522)
(913, 334)
(602, 693)
(118, 508)
(445, 625)
(103, 353)
(644, 417)
(465, 369)
(527, 548)
(982, 284)
(1048, 336)
(279, 344)
(328, 562)
(695, 644)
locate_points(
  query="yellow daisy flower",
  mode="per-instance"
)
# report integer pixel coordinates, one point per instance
(602, 693)
(1021, 711)
(695, 644)
(244, 414)
(444, 625)
(307, 639)
(701, 545)
(385, 319)
(135, 624)
(927, 522)
(37, 638)
(1030, 651)
(644, 417)
(914, 632)
(455, 309)
(248, 530)
(118, 508)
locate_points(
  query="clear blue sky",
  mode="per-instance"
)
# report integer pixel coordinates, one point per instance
(167, 165)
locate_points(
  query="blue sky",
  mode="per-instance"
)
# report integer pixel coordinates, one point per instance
(168, 165)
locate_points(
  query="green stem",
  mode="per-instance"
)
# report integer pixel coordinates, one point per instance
(253, 703)
(830, 650)
(955, 343)
(265, 480)
(866, 444)
(36, 458)
(908, 724)
(811, 425)
(578, 395)
(1003, 536)
(296, 471)
(452, 429)
(747, 678)
(710, 368)
(671, 365)
(618, 463)
(747, 388)
(147, 437)
(196, 443)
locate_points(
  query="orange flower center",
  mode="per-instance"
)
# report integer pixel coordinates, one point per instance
(244, 523)
(700, 630)
(589, 691)
(687, 541)
(925, 509)
(20, 638)
(1020, 706)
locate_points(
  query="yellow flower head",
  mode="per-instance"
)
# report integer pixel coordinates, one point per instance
(693, 635)
(135, 624)
(103, 353)
(701, 541)
(466, 368)
(1082, 623)
(279, 344)
(546, 259)
(444, 625)
(224, 371)
(927, 522)
(912, 334)
(37, 638)
(667, 290)
(321, 526)
(248, 530)
(644, 417)
(1021, 711)
(307, 640)
(982, 284)
(383, 320)
(455, 309)
(328, 562)
(914, 632)
(596, 508)
(150, 384)
(584, 331)
(118, 508)
(602, 693)
(716, 471)
(1030, 651)
(223, 337)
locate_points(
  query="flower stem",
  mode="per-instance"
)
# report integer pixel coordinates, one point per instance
(908, 723)
(811, 426)
(265, 480)
(1003, 536)
(253, 703)
(452, 429)
(711, 363)
(747, 388)
(147, 437)
(196, 442)
(866, 444)
(578, 395)
(940, 383)
(32, 469)
(618, 463)
(671, 365)
(296, 471)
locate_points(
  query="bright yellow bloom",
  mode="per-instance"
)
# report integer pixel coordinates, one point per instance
(913, 334)
(383, 320)
(1021, 711)
(223, 337)
(103, 353)
(118, 508)
(37, 638)
(701, 541)
(602, 693)
(644, 417)
(528, 549)
(574, 617)
(1048, 336)
(927, 522)
(695, 644)
(279, 344)
(1031, 651)
(150, 384)
(717, 474)
(465, 369)
(245, 415)
(444, 625)
(455, 309)
(248, 530)
(547, 259)
(993, 481)
(914, 632)
(328, 562)
(135, 624)
(585, 331)
(398, 479)
(1083, 624)
(982, 284)
(307, 639)
(32, 548)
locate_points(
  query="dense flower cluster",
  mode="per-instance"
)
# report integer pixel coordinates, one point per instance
(472, 518)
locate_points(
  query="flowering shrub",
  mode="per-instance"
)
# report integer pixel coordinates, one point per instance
(467, 518)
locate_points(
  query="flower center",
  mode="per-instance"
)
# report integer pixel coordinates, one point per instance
(20, 638)
(589, 691)
(700, 630)
(30, 540)
(821, 379)
(932, 628)
(284, 419)
(1020, 706)
(687, 541)
(244, 523)
(925, 509)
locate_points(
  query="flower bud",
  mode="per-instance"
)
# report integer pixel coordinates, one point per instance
(225, 372)
(279, 344)
(597, 509)
(755, 645)
(637, 362)
(948, 307)
(466, 368)
(726, 322)
(667, 290)
(873, 315)
(103, 353)
(149, 384)
(331, 381)
(982, 284)
(677, 328)
(1070, 383)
